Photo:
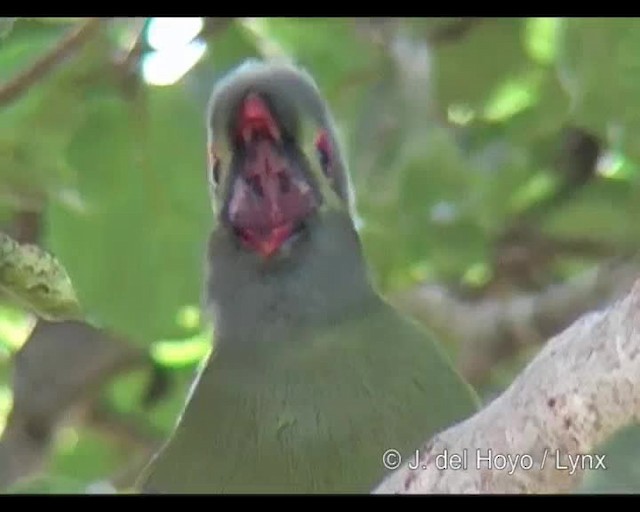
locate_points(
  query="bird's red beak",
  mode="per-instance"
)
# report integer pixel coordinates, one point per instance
(255, 118)
(268, 200)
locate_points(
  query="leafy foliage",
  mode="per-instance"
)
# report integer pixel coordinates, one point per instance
(444, 163)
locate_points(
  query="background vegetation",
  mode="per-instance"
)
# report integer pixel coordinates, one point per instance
(495, 157)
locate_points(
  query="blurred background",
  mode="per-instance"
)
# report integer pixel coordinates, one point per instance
(495, 166)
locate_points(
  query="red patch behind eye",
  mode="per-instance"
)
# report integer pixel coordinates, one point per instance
(322, 143)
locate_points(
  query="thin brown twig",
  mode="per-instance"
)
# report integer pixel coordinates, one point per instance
(127, 64)
(70, 43)
(134, 52)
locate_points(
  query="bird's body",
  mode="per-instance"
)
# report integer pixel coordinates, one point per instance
(313, 376)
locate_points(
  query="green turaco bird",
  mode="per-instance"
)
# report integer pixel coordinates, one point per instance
(313, 375)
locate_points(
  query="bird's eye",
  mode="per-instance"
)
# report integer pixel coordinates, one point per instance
(323, 147)
(215, 171)
(214, 167)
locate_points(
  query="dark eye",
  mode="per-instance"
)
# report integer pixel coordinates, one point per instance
(215, 171)
(323, 157)
(214, 166)
(323, 148)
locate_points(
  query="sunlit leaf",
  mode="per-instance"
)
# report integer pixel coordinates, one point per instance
(15, 326)
(509, 99)
(181, 352)
(541, 39)
(6, 402)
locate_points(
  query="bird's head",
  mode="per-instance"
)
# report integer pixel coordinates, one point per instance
(274, 160)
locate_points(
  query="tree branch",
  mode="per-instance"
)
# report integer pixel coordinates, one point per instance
(491, 330)
(583, 386)
(70, 43)
(131, 58)
(57, 375)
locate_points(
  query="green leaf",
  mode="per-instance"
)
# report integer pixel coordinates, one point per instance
(541, 39)
(125, 393)
(143, 228)
(432, 216)
(547, 115)
(36, 128)
(231, 47)
(27, 41)
(49, 484)
(622, 472)
(591, 214)
(599, 66)
(329, 48)
(83, 455)
(468, 70)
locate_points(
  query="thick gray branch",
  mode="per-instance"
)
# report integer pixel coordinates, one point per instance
(491, 330)
(581, 388)
(57, 374)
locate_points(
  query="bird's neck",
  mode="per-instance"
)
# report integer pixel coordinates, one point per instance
(322, 281)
